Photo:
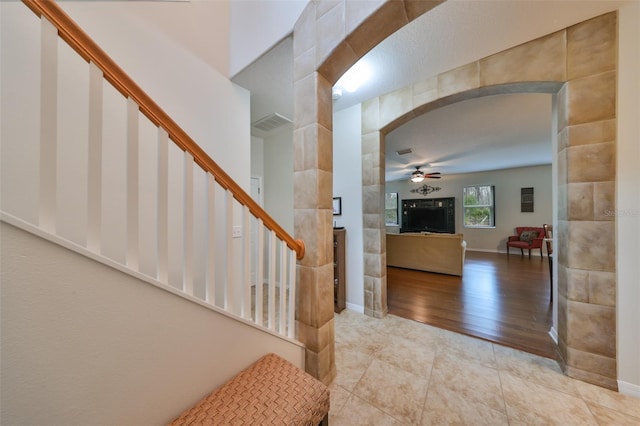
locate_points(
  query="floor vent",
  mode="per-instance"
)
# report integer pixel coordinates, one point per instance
(270, 122)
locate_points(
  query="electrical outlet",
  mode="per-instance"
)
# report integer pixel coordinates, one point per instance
(237, 232)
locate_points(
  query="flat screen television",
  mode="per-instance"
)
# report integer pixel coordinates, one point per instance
(431, 219)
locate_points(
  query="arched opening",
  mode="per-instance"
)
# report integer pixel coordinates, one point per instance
(502, 142)
(582, 58)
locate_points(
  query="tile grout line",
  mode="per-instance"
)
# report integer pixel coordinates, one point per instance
(504, 399)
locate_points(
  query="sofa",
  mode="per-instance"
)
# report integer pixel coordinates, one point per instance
(526, 238)
(430, 252)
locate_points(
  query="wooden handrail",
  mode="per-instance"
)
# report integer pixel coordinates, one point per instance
(79, 41)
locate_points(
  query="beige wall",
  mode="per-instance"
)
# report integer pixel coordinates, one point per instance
(507, 186)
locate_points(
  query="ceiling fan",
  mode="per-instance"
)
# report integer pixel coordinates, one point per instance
(418, 176)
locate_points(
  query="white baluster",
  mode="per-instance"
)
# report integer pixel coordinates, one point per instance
(228, 285)
(48, 125)
(281, 274)
(291, 329)
(210, 294)
(246, 287)
(133, 171)
(283, 287)
(163, 206)
(187, 267)
(272, 281)
(260, 274)
(94, 160)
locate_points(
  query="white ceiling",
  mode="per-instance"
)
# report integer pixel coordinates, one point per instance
(495, 132)
(481, 134)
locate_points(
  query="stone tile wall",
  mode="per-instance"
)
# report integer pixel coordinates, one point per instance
(587, 281)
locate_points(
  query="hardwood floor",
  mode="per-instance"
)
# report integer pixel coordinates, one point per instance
(501, 299)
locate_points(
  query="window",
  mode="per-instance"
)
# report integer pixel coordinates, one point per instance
(479, 206)
(391, 208)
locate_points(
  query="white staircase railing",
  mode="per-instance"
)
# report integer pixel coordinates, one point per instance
(122, 191)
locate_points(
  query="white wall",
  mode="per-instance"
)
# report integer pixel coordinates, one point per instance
(88, 344)
(628, 201)
(199, 27)
(347, 183)
(269, 21)
(278, 176)
(257, 157)
(212, 110)
(507, 186)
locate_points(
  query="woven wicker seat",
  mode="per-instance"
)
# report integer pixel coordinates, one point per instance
(271, 391)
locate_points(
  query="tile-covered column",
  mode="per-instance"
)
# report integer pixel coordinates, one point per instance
(586, 256)
(313, 223)
(376, 114)
(328, 38)
(313, 194)
(560, 233)
(374, 232)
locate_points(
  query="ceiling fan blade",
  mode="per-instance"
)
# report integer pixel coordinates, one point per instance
(432, 177)
(433, 174)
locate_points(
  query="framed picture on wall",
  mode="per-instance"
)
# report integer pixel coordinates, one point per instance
(526, 200)
(337, 206)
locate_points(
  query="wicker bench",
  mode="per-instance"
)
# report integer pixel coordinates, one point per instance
(271, 391)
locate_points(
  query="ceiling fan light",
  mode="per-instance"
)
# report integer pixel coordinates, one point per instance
(417, 176)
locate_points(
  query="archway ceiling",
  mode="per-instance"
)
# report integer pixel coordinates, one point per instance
(495, 132)
(481, 134)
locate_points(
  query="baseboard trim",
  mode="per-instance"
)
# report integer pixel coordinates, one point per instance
(483, 250)
(628, 389)
(535, 253)
(356, 308)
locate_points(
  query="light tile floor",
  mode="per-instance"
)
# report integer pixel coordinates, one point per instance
(400, 372)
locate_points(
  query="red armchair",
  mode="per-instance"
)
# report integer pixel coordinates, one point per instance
(528, 237)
